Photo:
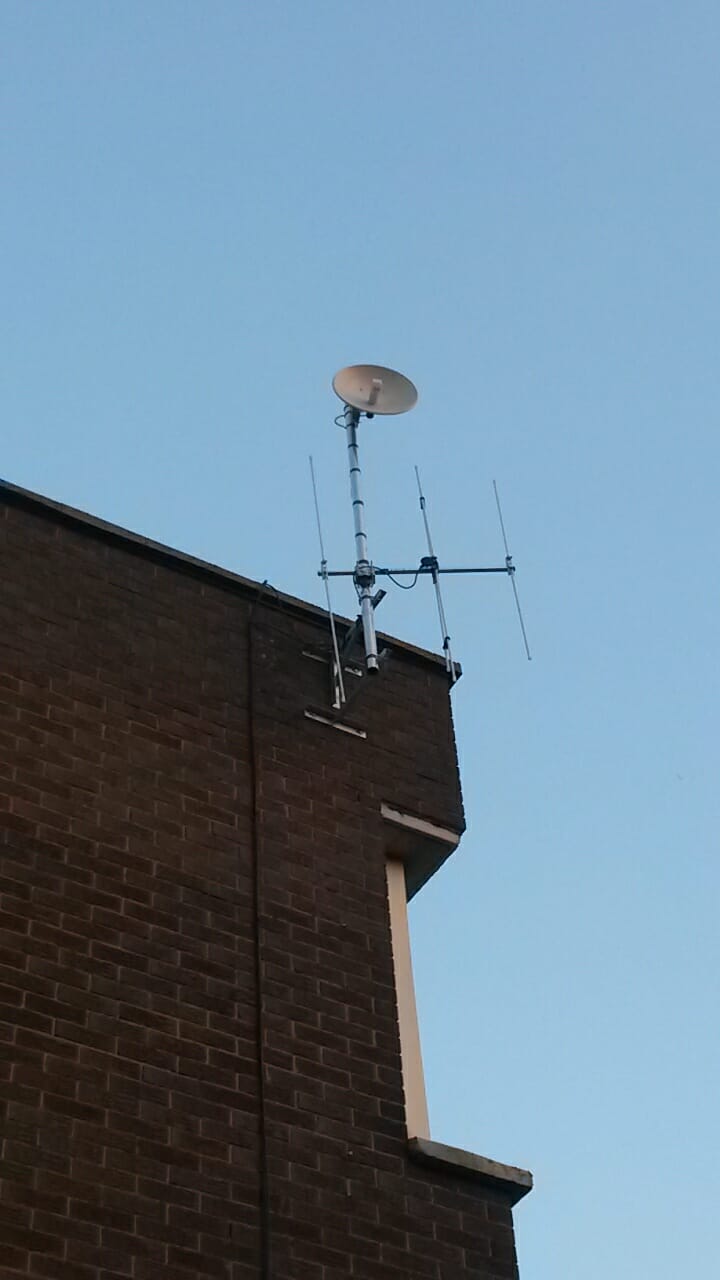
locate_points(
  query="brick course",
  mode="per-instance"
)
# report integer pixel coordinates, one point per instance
(147, 768)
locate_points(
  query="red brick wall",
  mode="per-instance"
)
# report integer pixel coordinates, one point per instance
(144, 777)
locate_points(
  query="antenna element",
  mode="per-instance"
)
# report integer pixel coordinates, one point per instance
(511, 572)
(338, 685)
(430, 562)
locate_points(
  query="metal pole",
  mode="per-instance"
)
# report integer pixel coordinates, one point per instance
(364, 574)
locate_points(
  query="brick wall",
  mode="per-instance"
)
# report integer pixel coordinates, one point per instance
(185, 858)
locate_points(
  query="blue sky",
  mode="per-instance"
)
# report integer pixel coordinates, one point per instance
(210, 207)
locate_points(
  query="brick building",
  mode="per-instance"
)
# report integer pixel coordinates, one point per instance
(209, 1062)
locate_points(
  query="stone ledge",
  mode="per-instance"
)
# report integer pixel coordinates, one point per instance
(511, 1182)
(421, 845)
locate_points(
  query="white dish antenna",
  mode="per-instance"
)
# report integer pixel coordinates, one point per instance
(372, 388)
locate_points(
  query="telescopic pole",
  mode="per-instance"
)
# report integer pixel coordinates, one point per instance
(363, 574)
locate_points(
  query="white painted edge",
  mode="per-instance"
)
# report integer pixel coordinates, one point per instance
(416, 1111)
(420, 826)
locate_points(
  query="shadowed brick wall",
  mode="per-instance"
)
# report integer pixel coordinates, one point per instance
(148, 771)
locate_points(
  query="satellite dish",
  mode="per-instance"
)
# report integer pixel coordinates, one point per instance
(374, 389)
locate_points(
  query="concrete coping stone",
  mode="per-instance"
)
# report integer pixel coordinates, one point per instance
(422, 846)
(511, 1182)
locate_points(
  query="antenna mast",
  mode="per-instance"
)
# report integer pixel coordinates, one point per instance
(367, 389)
(364, 574)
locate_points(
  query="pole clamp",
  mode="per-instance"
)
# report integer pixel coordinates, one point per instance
(364, 575)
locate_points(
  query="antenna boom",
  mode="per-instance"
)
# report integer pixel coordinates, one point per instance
(416, 573)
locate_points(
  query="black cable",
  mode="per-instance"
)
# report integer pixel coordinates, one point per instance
(263, 1173)
(402, 585)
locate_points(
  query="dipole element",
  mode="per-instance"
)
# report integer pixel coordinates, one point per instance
(364, 573)
(432, 564)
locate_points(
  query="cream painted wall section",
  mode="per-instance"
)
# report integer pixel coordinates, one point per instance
(418, 1125)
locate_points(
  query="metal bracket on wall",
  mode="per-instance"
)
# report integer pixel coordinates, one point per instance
(334, 722)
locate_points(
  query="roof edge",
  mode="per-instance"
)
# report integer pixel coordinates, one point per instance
(139, 544)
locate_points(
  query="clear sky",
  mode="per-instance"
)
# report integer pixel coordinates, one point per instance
(207, 209)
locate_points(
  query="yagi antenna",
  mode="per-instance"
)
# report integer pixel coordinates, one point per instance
(367, 390)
